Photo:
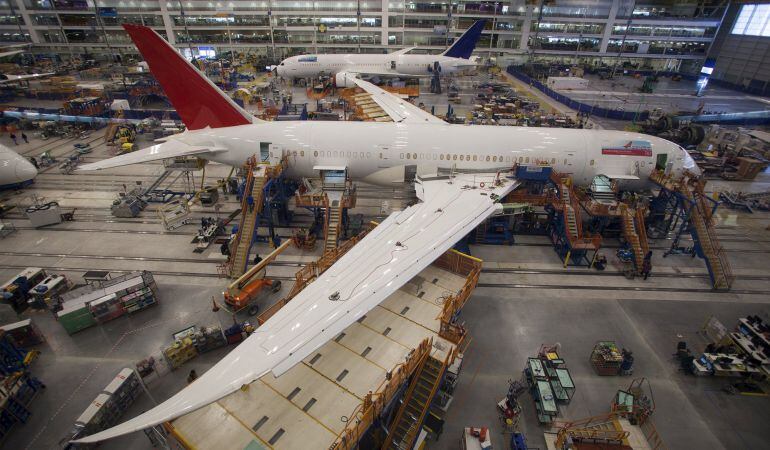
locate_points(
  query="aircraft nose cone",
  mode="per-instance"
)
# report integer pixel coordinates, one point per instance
(24, 170)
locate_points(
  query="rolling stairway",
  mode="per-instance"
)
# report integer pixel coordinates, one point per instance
(635, 234)
(160, 180)
(249, 222)
(417, 399)
(333, 222)
(705, 235)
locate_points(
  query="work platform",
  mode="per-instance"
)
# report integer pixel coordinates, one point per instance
(355, 375)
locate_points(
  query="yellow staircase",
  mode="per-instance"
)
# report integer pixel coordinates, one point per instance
(635, 234)
(333, 222)
(406, 425)
(569, 206)
(701, 220)
(249, 221)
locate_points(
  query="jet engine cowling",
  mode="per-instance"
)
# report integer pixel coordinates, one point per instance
(344, 80)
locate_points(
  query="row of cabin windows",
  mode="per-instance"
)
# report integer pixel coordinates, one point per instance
(442, 157)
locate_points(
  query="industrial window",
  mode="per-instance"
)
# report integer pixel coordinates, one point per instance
(260, 423)
(441, 156)
(386, 332)
(366, 351)
(315, 358)
(276, 436)
(461, 157)
(753, 21)
(592, 162)
(315, 153)
(342, 375)
(309, 404)
(294, 393)
(408, 156)
(339, 337)
(405, 310)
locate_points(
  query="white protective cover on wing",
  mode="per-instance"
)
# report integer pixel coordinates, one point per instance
(171, 148)
(400, 110)
(386, 259)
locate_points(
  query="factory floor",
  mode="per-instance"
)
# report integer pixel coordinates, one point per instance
(509, 315)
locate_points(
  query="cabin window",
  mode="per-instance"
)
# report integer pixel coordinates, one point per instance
(315, 153)
(348, 154)
(526, 159)
(488, 158)
(367, 155)
(355, 155)
(422, 156)
(414, 155)
(408, 156)
(521, 159)
(553, 161)
(454, 157)
(592, 162)
(474, 157)
(507, 159)
(435, 156)
(467, 157)
(461, 157)
(322, 154)
(294, 153)
(335, 153)
(441, 157)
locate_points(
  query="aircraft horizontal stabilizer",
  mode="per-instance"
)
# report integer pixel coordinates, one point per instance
(169, 149)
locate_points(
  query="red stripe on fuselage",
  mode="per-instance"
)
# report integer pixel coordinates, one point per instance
(627, 151)
(199, 103)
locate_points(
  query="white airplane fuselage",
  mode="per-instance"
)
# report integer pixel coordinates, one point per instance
(386, 153)
(306, 66)
(15, 170)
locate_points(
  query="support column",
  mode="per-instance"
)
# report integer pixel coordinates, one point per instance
(525, 27)
(21, 9)
(608, 26)
(385, 15)
(168, 23)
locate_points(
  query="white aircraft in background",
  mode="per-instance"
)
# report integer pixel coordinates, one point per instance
(346, 67)
(477, 162)
(15, 170)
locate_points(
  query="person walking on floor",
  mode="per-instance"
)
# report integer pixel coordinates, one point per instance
(647, 264)
(24, 138)
(13, 138)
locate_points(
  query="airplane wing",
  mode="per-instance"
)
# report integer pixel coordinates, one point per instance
(383, 261)
(171, 148)
(10, 53)
(397, 108)
(403, 51)
(14, 78)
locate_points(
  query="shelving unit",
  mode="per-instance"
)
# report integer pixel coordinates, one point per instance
(24, 333)
(16, 393)
(180, 351)
(550, 384)
(123, 295)
(107, 408)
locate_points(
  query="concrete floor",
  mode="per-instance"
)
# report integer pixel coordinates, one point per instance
(509, 316)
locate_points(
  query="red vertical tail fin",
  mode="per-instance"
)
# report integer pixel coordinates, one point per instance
(198, 101)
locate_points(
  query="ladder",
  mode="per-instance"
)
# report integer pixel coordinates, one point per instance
(705, 235)
(417, 399)
(333, 221)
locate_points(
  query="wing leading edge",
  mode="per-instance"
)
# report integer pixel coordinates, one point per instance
(386, 259)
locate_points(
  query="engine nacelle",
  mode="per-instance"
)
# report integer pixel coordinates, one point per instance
(344, 80)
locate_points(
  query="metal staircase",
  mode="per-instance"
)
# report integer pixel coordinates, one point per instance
(417, 399)
(241, 245)
(333, 222)
(706, 237)
(635, 234)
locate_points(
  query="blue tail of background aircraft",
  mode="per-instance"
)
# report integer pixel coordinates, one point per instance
(463, 47)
